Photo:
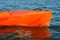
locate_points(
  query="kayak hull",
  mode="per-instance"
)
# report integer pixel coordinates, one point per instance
(25, 18)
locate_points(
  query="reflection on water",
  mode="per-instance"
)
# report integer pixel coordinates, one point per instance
(24, 33)
(27, 35)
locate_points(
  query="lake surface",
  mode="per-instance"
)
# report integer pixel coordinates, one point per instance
(53, 5)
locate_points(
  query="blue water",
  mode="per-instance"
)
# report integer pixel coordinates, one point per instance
(53, 5)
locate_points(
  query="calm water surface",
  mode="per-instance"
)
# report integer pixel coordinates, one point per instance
(53, 5)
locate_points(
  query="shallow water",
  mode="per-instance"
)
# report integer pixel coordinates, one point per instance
(53, 5)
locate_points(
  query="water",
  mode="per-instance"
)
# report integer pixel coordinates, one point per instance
(53, 5)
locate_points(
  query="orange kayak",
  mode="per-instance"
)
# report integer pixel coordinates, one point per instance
(25, 18)
(34, 21)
